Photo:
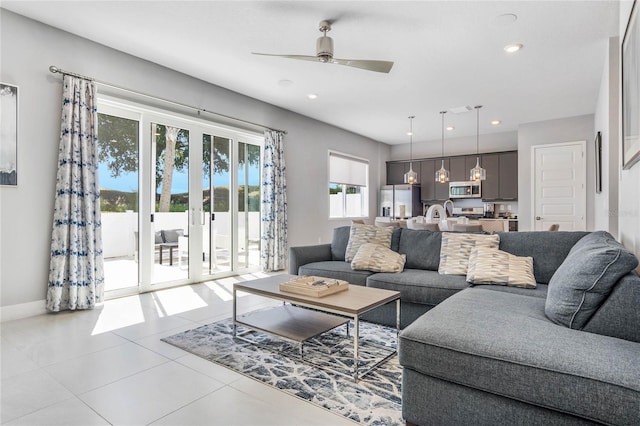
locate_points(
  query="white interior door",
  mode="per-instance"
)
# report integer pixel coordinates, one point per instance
(559, 186)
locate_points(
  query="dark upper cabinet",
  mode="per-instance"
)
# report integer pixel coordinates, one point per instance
(457, 172)
(501, 182)
(491, 186)
(509, 176)
(427, 175)
(395, 173)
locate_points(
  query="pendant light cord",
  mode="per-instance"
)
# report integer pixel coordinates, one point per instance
(442, 113)
(411, 117)
(478, 129)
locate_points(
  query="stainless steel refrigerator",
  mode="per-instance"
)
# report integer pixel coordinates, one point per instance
(400, 201)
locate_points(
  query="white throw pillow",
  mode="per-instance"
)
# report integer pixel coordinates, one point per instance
(361, 234)
(456, 248)
(492, 266)
(376, 258)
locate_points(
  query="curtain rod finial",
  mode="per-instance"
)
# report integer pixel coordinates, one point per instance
(53, 69)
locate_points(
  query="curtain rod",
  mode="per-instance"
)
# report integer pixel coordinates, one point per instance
(55, 70)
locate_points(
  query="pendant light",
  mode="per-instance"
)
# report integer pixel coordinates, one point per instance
(442, 175)
(411, 177)
(478, 173)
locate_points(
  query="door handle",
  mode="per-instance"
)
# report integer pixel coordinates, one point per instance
(538, 218)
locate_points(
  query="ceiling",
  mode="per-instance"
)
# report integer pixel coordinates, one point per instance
(446, 53)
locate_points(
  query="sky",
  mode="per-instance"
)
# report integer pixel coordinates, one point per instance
(128, 182)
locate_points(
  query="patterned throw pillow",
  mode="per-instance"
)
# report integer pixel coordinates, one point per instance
(361, 234)
(456, 248)
(492, 266)
(375, 258)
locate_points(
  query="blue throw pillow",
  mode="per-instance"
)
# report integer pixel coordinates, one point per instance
(585, 279)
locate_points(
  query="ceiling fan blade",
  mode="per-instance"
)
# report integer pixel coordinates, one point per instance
(377, 66)
(302, 57)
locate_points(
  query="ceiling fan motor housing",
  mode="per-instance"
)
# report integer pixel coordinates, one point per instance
(324, 48)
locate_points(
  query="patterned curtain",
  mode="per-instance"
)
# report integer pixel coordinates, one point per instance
(76, 275)
(273, 250)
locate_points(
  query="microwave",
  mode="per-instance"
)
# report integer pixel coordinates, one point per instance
(469, 189)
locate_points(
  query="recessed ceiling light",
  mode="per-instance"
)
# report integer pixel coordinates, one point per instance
(409, 133)
(312, 96)
(285, 83)
(495, 122)
(513, 48)
(450, 128)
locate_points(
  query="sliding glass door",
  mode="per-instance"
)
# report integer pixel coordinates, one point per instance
(181, 198)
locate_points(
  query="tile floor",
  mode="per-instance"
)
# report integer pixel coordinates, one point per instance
(108, 366)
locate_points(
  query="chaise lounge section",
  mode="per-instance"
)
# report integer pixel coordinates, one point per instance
(565, 352)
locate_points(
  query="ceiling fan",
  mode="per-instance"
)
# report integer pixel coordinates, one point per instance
(324, 53)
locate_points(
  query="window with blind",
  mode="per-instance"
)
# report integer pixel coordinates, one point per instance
(348, 186)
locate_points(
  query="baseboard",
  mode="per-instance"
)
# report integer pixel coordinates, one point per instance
(22, 310)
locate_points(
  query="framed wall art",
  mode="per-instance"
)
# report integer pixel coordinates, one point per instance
(631, 90)
(8, 134)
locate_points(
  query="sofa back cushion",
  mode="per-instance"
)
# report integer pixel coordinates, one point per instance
(619, 316)
(339, 242)
(548, 249)
(586, 277)
(421, 247)
(171, 235)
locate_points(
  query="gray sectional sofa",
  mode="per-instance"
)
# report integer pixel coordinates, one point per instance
(499, 355)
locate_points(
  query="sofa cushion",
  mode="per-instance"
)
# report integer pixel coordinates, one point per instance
(619, 315)
(422, 248)
(339, 242)
(375, 258)
(585, 278)
(339, 270)
(492, 266)
(456, 248)
(502, 343)
(540, 290)
(419, 286)
(548, 249)
(361, 234)
(171, 235)
(158, 238)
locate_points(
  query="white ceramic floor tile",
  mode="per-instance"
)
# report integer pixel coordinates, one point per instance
(71, 412)
(149, 395)
(152, 326)
(154, 343)
(229, 406)
(29, 392)
(71, 345)
(97, 369)
(305, 412)
(12, 361)
(211, 369)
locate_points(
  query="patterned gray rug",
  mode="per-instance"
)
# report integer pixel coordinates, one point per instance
(374, 400)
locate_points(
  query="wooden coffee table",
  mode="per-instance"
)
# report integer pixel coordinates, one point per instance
(293, 322)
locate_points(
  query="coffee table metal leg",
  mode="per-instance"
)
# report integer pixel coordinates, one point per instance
(234, 312)
(397, 319)
(356, 335)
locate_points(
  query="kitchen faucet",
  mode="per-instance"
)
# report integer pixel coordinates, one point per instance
(444, 205)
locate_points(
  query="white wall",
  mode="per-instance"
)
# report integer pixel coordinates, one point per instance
(606, 122)
(629, 184)
(29, 48)
(570, 129)
(493, 142)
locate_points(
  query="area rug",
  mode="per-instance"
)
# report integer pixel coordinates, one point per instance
(374, 400)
